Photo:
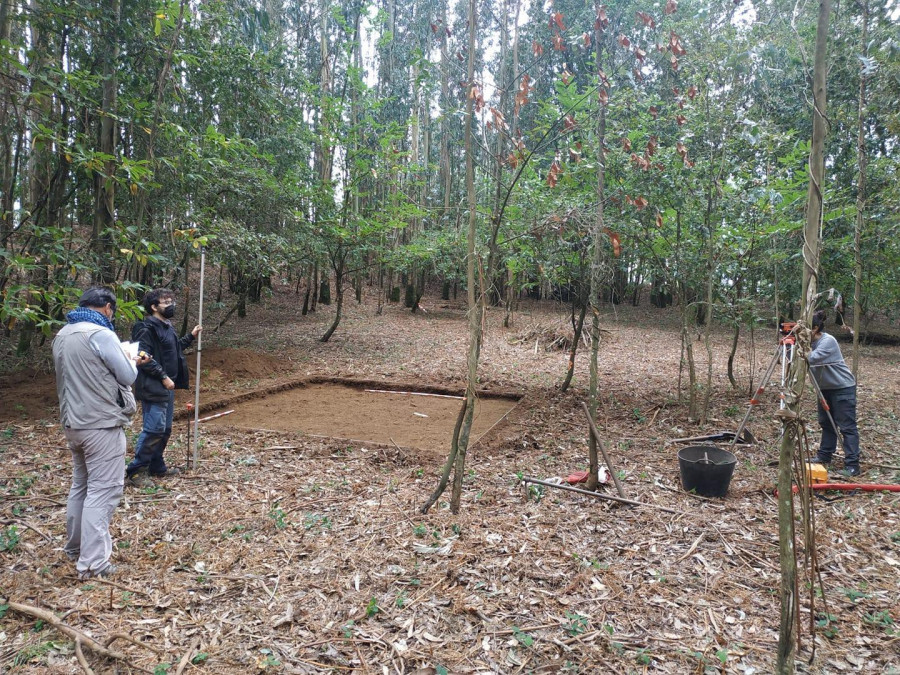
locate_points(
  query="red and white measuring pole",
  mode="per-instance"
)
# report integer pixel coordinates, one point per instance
(212, 417)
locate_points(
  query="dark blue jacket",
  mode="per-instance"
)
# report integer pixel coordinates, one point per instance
(159, 340)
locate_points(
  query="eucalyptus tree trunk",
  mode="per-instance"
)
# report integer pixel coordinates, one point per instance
(323, 151)
(456, 459)
(39, 112)
(475, 295)
(104, 185)
(577, 328)
(799, 366)
(339, 267)
(708, 304)
(8, 105)
(687, 314)
(323, 147)
(495, 282)
(599, 273)
(412, 178)
(40, 167)
(862, 161)
(446, 173)
(150, 152)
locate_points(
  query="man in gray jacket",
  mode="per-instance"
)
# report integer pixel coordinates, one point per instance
(93, 381)
(827, 366)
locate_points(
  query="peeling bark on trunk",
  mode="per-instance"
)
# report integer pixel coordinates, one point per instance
(797, 377)
(599, 275)
(863, 161)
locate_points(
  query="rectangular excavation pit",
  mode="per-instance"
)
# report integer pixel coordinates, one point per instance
(365, 412)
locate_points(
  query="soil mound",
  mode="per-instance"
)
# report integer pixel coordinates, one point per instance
(27, 394)
(30, 395)
(224, 363)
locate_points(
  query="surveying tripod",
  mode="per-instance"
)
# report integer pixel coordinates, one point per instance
(787, 347)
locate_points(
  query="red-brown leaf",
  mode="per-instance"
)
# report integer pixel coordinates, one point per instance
(616, 242)
(624, 41)
(626, 145)
(692, 92)
(558, 43)
(651, 146)
(603, 79)
(536, 48)
(603, 97)
(558, 20)
(553, 173)
(671, 6)
(646, 19)
(499, 119)
(586, 40)
(654, 113)
(569, 123)
(659, 219)
(680, 119)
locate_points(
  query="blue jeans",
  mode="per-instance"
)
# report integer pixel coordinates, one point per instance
(842, 403)
(157, 427)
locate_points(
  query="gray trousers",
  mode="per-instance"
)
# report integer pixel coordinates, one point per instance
(98, 479)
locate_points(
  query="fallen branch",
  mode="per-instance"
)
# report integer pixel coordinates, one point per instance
(79, 637)
(47, 537)
(124, 636)
(187, 656)
(692, 548)
(598, 495)
(79, 654)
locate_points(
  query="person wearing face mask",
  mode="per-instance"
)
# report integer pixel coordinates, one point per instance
(156, 383)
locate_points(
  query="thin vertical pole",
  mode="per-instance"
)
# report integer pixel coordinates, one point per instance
(199, 354)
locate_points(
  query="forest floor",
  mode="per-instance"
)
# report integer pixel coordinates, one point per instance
(291, 550)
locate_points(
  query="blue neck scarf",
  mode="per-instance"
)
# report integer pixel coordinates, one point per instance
(91, 316)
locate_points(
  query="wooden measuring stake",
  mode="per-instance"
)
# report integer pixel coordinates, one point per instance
(612, 469)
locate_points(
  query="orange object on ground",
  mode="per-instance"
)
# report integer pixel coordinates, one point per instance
(817, 473)
(577, 477)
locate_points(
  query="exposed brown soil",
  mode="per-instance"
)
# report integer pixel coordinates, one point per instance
(286, 552)
(412, 419)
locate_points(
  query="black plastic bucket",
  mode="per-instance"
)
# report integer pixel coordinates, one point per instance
(706, 470)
